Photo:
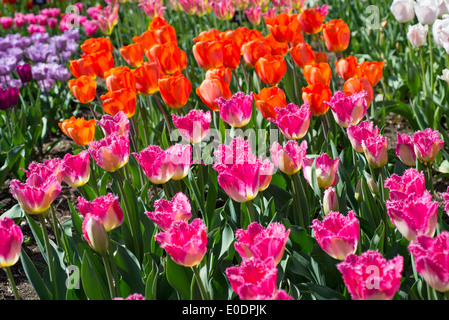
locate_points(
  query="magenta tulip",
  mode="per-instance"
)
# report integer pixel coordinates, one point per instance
(106, 208)
(405, 149)
(76, 169)
(237, 110)
(110, 153)
(411, 182)
(194, 126)
(156, 164)
(325, 169)
(289, 159)
(346, 109)
(359, 133)
(376, 151)
(293, 121)
(427, 145)
(11, 239)
(47, 168)
(166, 212)
(118, 123)
(95, 233)
(181, 157)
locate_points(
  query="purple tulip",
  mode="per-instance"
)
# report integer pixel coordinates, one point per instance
(25, 73)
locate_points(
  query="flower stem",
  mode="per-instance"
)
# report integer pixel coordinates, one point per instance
(430, 179)
(250, 208)
(13, 283)
(299, 189)
(107, 268)
(204, 293)
(49, 256)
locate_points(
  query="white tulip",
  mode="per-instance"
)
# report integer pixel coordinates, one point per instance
(403, 10)
(445, 76)
(427, 11)
(417, 34)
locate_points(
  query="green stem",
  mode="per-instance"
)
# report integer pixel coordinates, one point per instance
(430, 179)
(423, 70)
(49, 257)
(107, 268)
(204, 293)
(13, 283)
(297, 189)
(250, 209)
(431, 59)
(167, 194)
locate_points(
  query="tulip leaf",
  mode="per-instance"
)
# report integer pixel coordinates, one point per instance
(179, 277)
(322, 293)
(93, 277)
(34, 277)
(129, 268)
(15, 212)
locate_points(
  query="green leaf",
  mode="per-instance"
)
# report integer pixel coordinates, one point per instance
(15, 212)
(129, 268)
(322, 292)
(93, 278)
(34, 277)
(179, 277)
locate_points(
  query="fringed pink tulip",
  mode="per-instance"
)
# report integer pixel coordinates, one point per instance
(110, 153)
(11, 239)
(106, 208)
(37, 194)
(181, 157)
(48, 168)
(118, 123)
(330, 200)
(411, 182)
(95, 233)
(289, 159)
(359, 133)
(194, 126)
(376, 151)
(265, 174)
(371, 276)
(185, 243)
(414, 215)
(325, 168)
(405, 149)
(76, 169)
(348, 109)
(253, 278)
(337, 235)
(156, 164)
(166, 212)
(237, 110)
(262, 243)
(432, 259)
(293, 121)
(427, 145)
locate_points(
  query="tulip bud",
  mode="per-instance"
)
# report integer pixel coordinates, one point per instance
(372, 185)
(95, 234)
(358, 191)
(330, 201)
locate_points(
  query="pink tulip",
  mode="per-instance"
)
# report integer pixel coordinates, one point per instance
(371, 276)
(156, 164)
(330, 200)
(52, 22)
(293, 121)
(194, 126)
(237, 152)
(348, 109)
(95, 233)
(6, 22)
(37, 194)
(110, 153)
(166, 212)
(432, 259)
(446, 200)
(237, 110)
(411, 182)
(253, 278)
(376, 151)
(49, 167)
(427, 145)
(11, 239)
(30, 18)
(337, 235)
(261, 242)
(359, 133)
(134, 296)
(76, 169)
(41, 19)
(265, 174)
(223, 9)
(90, 27)
(185, 243)
(253, 14)
(414, 215)
(405, 149)
(19, 19)
(106, 208)
(118, 123)
(152, 8)
(35, 28)
(181, 157)
(325, 169)
(289, 159)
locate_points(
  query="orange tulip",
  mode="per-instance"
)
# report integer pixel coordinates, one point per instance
(209, 54)
(175, 90)
(271, 69)
(83, 89)
(102, 62)
(320, 57)
(211, 89)
(133, 54)
(302, 54)
(238, 35)
(208, 35)
(254, 50)
(119, 100)
(354, 85)
(336, 35)
(372, 71)
(81, 131)
(277, 48)
(147, 76)
(318, 73)
(268, 99)
(82, 67)
(93, 45)
(231, 54)
(311, 20)
(315, 95)
(222, 73)
(168, 56)
(163, 31)
(347, 67)
(120, 78)
(146, 40)
(283, 27)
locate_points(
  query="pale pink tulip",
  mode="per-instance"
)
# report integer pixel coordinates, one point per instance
(95, 234)
(76, 169)
(330, 200)
(325, 169)
(405, 149)
(359, 133)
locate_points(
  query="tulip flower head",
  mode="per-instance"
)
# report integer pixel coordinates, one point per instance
(110, 153)
(289, 159)
(271, 69)
(81, 131)
(427, 145)
(166, 212)
(283, 27)
(95, 234)
(315, 95)
(11, 238)
(76, 169)
(376, 150)
(311, 20)
(348, 110)
(237, 110)
(156, 164)
(405, 149)
(403, 10)
(371, 276)
(181, 157)
(270, 99)
(175, 90)
(132, 54)
(411, 182)
(336, 35)
(83, 89)
(120, 100)
(347, 67)
(330, 201)
(359, 133)
(325, 170)
(106, 208)
(292, 120)
(118, 123)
